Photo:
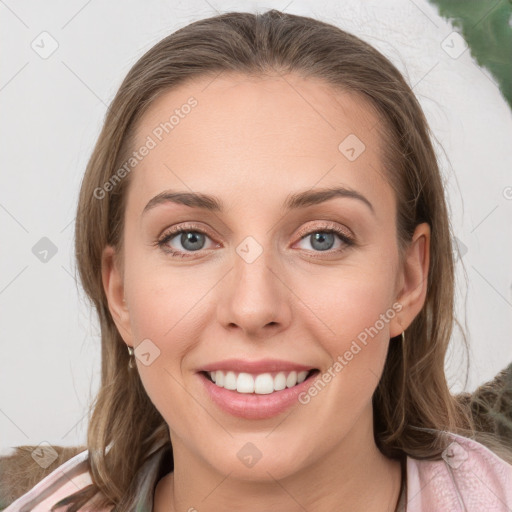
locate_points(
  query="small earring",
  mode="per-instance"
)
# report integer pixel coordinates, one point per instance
(403, 336)
(131, 362)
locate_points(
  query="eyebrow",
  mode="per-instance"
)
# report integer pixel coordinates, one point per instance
(292, 202)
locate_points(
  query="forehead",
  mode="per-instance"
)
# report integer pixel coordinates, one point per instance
(250, 138)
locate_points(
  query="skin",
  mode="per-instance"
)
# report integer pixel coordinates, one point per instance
(251, 142)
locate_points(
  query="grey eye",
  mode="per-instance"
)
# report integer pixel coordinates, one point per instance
(192, 240)
(322, 241)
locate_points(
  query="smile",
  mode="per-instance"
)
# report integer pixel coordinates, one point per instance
(256, 396)
(261, 384)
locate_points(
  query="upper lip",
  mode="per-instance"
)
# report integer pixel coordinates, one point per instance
(257, 366)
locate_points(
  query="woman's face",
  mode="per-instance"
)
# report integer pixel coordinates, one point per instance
(264, 276)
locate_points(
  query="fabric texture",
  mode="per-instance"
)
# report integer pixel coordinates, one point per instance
(469, 478)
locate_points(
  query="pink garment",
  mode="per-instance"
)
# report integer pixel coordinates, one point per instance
(469, 478)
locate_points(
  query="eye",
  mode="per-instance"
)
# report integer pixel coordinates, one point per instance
(323, 238)
(189, 239)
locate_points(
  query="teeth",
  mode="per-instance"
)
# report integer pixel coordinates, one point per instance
(280, 381)
(261, 384)
(230, 380)
(245, 383)
(291, 380)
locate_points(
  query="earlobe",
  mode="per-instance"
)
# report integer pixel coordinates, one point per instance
(414, 278)
(113, 284)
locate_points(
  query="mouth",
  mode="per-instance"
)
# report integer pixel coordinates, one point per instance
(256, 396)
(261, 384)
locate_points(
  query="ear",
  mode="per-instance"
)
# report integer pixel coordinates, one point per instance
(113, 284)
(413, 279)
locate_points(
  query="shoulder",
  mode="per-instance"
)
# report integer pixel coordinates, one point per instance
(68, 478)
(469, 477)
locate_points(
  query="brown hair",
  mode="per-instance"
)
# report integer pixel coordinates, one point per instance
(20, 470)
(412, 403)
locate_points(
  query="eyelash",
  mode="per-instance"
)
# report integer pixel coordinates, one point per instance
(328, 228)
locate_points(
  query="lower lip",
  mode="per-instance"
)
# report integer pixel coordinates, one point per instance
(253, 406)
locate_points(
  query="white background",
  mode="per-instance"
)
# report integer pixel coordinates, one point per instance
(52, 111)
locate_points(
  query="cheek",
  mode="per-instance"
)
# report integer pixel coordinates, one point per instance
(348, 302)
(353, 329)
(361, 306)
(170, 308)
(349, 314)
(164, 298)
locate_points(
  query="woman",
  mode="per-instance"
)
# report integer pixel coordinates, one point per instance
(263, 231)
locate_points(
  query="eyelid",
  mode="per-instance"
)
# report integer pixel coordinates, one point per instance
(306, 230)
(327, 225)
(185, 226)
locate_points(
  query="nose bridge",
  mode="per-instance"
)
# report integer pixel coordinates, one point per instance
(255, 296)
(251, 262)
(254, 283)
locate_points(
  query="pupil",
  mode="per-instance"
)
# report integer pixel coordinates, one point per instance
(322, 238)
(192, 238)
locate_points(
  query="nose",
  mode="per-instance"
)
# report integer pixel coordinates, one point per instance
(253, 297)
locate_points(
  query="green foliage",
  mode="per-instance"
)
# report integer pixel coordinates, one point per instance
(487, 29)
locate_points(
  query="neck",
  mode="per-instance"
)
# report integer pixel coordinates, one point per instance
(355, 476)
